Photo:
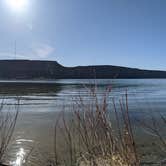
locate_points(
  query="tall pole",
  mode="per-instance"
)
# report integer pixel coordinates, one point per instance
(15, 50)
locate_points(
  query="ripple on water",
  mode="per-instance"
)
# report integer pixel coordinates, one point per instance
(20, 158)
(19, 154)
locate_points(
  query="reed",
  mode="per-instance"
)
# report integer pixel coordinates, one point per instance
(89, 138)
(7, 125)
(156, 127)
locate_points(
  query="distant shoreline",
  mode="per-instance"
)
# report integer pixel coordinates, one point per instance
(37, 70)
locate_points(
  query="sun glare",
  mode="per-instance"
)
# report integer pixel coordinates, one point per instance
(17, 5)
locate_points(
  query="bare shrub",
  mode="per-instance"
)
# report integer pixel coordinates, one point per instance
(156, 127)
(88, 136)
(7, 126)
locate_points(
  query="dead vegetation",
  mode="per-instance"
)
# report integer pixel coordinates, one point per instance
(89, 138)
(7, 125)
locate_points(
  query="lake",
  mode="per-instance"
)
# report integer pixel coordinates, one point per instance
(41, 101)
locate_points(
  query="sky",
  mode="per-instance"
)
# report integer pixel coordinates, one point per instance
(86, 32)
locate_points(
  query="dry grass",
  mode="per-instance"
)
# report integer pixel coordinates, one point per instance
(156, 128)
(7, 126)
(88, 137)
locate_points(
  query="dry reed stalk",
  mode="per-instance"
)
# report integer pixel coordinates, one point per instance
(90, 138)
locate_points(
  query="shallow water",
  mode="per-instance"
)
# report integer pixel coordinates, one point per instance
(40, 102)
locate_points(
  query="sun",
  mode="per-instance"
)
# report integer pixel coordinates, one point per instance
(17, 5)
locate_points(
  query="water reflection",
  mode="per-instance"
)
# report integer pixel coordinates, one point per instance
(20, 158)
(20, 151)
(39, 103)
(21, 88)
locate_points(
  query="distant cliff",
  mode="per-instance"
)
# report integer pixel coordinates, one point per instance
(34, 69)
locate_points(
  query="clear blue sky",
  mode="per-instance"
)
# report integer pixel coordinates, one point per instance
(87, 32)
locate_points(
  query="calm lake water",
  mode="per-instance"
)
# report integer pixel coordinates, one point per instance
(40, 101)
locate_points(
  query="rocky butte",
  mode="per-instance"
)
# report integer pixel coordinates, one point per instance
(36, 69)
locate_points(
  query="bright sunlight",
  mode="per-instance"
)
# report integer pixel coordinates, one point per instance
(17, 5)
